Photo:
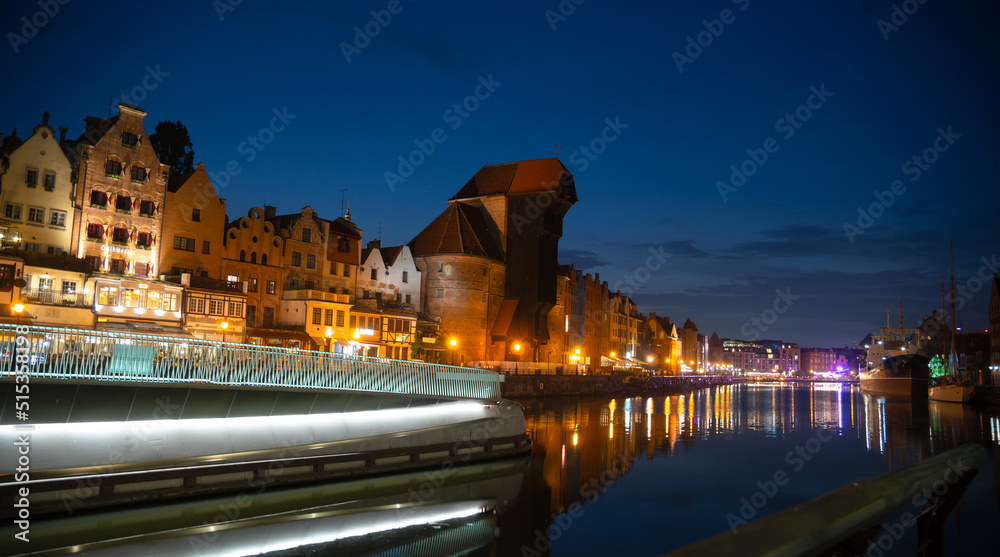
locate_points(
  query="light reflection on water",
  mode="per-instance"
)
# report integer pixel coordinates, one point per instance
(669, 468)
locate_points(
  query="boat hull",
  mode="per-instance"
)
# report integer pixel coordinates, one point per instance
(951, 393)
(910, 388)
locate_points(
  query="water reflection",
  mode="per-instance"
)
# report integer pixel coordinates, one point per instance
(583, 446)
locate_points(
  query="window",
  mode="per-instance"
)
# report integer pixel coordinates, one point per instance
(69, 287)
(333, 268)
(107, 296)
(147, 208)
(184, 244)
(113, 169)
(95, 232)
(344, 245)
(251, 316)
(94, 262)
(123, 203)
(118, 266)
(308, 284)
(57, 218)
(99, 199)
(53, 250)
(196, 305)
(328, 317)
(169, 302)
(252, 284)
(406, 276)
(253, 256)
(317, 316)
(296, 259)
(138, 174)
(340, 318)
(347, 270)
(440, 292)
(374, 274)
(31, 177)
(310, 261)
(36, 214)
(196, 215)
(129, 140)
(50, 181)
(243, 255)
(12, 211)
(142, 269)
(232, 278)
(408, 298)
(119, 236)
(354, 321)
(271, 287)
(293, 284)
(206, 246)
(236, 309)
(216, 307)
(306, 235)
(263, 259)
(144, 240)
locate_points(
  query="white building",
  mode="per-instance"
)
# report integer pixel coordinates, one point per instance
(389, 275)
(36, 194)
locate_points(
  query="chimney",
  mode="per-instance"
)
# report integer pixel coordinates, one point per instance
(270, 211)
(62, 135)
(374, 244)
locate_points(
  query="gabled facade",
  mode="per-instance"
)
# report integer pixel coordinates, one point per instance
(119, 196)
(36, 194)
(389, 274)
(194, 221)
(254, 253)
(666, 344)
(58, 291)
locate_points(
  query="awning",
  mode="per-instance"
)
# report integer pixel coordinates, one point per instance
(145, 328)
(278, 333)
(504, 319)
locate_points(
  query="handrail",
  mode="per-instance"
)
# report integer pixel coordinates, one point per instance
(824, 522)
(124, 356)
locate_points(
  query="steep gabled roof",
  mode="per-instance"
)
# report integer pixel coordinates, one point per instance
(390, 254)
(518, 178)
(459, 229)
(175, 181)
(95, 127)
(344, 227)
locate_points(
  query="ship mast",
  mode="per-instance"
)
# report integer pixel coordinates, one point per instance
(953, 357)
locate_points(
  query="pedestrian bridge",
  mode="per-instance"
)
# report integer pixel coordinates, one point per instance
(121, 417)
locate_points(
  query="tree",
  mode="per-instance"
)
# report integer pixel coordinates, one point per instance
(173, 147)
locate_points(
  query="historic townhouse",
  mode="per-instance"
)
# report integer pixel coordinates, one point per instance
(310, 298)
(489, 262)
(120, 195)
(36, 194)
(254, 254)
(194, 219)
(665, 343)
(58, 291)
(389, 274)
(213, 309)
(11, 269)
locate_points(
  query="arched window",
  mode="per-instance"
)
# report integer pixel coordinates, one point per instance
(243, 255)
(253, 257)
(263, 259)
(343, 245)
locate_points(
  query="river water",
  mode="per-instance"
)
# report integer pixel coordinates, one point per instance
(646, 475)
(639, 475)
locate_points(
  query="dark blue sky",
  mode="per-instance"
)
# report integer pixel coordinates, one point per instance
(657, 185)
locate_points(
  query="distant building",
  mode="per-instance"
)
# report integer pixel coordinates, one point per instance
(666, 344)
(36, 194)
(716, 353)
(120, 195)
(690, 346)
(820, 360)
(389, 274)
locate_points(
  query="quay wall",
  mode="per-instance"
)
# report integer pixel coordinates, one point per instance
(568, 385)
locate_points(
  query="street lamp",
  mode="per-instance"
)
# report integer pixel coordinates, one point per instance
(18, 308)
(517, 348)
(452, 344)
(224, 325)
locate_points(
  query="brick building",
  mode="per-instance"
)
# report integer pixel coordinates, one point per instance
(119, 196)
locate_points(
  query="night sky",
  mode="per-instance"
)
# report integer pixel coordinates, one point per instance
(842, 102)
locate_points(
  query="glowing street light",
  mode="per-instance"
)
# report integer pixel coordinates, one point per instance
(453, 344)
(18, 308)
(224, 325)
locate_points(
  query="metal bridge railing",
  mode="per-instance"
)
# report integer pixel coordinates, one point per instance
(114, 356)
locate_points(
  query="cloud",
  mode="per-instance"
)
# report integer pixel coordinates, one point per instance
(583, 259)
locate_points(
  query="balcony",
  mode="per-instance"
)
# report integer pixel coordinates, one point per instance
(315, 295)
(48, 297)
